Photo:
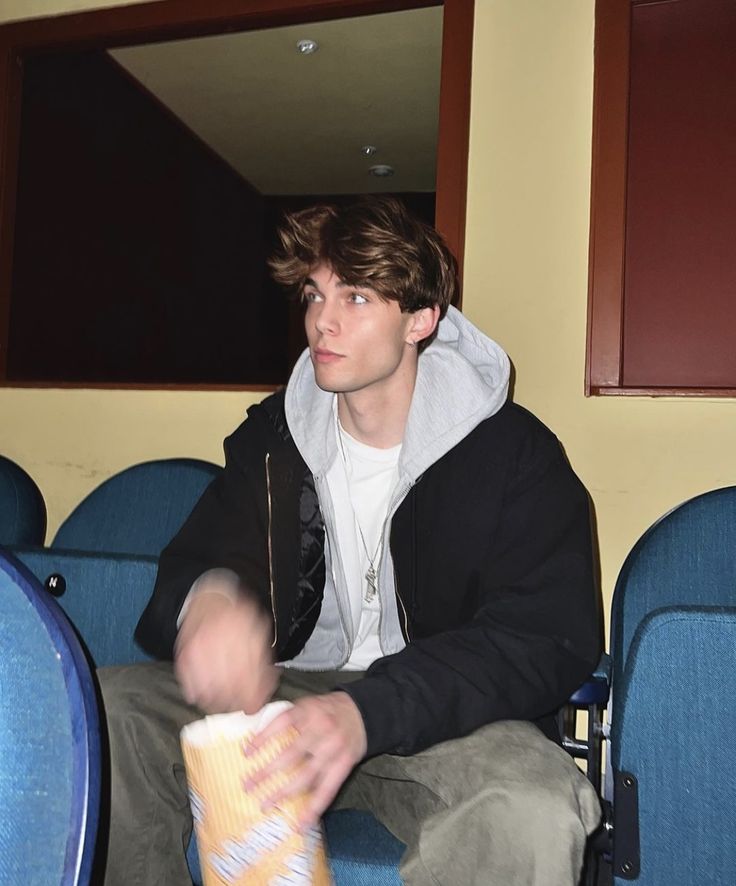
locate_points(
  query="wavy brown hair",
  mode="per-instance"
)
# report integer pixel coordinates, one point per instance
(373, 242)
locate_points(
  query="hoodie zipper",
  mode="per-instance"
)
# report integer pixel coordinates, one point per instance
(389, 517)
(328, 515)
(270, 552)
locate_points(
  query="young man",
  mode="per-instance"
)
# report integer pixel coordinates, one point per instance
(400, 551)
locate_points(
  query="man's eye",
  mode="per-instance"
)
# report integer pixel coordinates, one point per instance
(309, 295)
(357, 299)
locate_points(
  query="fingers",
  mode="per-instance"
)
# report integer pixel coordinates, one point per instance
(329, 739)
(222, 656)
(323, 793)
(280, 723)
(220, 690)
(319, 776)
(316, 777)
(300, 782)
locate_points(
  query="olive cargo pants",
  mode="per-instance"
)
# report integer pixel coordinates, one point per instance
(503, 806)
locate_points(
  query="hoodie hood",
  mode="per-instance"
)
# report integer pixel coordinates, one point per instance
(462, 379)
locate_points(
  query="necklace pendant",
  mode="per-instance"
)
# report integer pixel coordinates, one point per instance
(372, 580)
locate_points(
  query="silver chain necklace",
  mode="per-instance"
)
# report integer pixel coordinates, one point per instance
(371, 574)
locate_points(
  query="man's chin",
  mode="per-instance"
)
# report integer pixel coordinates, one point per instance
(331, 387)
(328, 381)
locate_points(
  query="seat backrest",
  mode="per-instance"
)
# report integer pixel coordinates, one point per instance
(22, 508)
(49, 739)
(688, 557)
(102, 594)
(139, 510)
(674, 731)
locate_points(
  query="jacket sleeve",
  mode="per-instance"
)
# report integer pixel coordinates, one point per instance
(534, 638)
(227, 529)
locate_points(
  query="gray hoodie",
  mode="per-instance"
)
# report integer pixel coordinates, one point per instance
(462, 379)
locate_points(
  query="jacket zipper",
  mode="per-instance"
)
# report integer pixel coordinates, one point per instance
(407, 637)
(389, 518)
(270, 553)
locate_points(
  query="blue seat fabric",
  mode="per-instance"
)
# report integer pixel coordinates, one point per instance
(361, 851)
(676, 733)
(673, 722)
(22, 508)
(107, 550)
(139, 510)
(104, 597)
(687, 557)
(49, 739)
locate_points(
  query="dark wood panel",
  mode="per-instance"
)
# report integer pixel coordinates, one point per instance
(608, 191)
(680, 279)
(617, 239)
(454, 129)
(179, 19)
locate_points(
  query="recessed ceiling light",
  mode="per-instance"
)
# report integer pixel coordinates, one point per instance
(307, 47)
(368, 150)
(381, 170)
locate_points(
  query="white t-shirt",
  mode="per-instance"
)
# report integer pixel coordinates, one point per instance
(361, 481)
(361, 497)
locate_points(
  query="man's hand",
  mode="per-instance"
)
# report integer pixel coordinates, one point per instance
(330, 741)
(222, 656)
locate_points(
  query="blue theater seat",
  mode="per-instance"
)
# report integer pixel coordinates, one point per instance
(22, 507)
(49, 740)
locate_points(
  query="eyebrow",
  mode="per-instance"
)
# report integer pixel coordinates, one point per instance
(360, 288)
(308, 281)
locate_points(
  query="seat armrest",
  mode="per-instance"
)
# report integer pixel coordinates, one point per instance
(596, 688)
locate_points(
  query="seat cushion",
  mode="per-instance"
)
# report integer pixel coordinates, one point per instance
(361, 850)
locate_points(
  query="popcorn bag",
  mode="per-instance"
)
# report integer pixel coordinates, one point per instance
(238, 844)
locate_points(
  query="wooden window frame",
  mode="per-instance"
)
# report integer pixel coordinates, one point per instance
(604, 357)
(182, 19)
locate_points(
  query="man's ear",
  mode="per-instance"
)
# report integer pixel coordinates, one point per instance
(423, 324)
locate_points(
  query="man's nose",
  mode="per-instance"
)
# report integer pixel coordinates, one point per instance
(327, 319)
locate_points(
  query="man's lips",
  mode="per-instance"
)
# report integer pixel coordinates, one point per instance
(322, 355)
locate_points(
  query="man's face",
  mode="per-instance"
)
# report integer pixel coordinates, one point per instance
(357, 341)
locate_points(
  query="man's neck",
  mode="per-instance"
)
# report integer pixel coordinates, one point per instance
(377, 417)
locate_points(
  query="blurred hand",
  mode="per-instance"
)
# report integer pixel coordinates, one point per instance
(222, 656)
(330, 741)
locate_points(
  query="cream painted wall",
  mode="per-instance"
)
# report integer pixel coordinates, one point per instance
(526, 273)
(525, 284)
(71, 440)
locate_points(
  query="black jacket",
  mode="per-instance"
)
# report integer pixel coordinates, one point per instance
(494, 570)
